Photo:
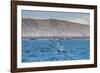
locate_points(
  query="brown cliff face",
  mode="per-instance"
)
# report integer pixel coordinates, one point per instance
(53, 28)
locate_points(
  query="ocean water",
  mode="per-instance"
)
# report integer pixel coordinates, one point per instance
(41, 50)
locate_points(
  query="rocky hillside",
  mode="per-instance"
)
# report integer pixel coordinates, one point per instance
(53, 28)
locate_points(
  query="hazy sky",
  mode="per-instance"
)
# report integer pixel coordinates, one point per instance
(83, 18)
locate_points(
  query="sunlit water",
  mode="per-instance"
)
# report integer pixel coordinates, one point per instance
(40, 50)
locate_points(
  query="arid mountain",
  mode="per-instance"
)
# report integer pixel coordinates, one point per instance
(53, 28)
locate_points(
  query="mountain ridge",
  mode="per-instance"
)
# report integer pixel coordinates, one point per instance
(53, 28)
(55, 19)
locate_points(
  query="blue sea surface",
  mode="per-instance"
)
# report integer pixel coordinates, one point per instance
(41, 50)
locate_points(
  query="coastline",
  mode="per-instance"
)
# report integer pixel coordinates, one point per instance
(60, 38)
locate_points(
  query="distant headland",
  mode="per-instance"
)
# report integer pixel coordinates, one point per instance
(53, 28)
